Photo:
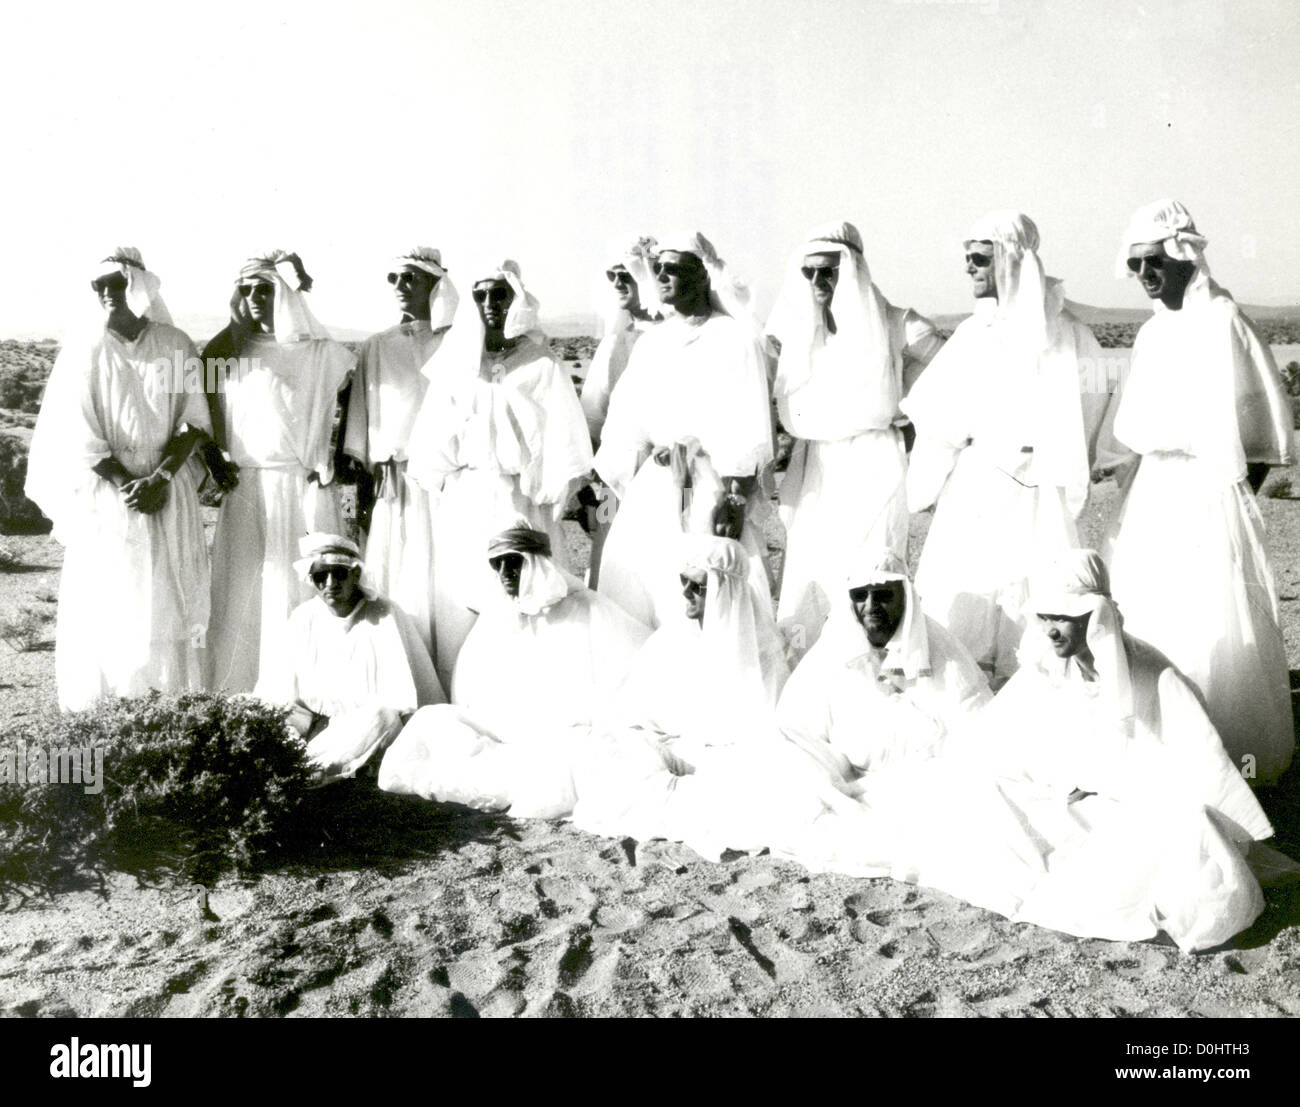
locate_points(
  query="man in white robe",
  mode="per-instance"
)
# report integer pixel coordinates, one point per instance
(884, 684)
(688, 438)
(847, 358)
(500, 433)
(542, 662)
(1010, 422)
(1139, 820)
(354, 668)
(109, 465)
(272, 414)
(387, 391)
(1205, 409)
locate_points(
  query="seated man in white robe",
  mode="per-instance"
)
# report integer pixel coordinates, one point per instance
(847, 357)
(383, 400)
(354, 668)
(1141, 821)
(1010, 420)
(540, 664)
(687, 444)
(883, 684)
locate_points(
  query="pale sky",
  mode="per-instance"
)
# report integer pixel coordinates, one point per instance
(542, 129)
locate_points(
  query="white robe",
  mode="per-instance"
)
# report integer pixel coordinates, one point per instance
(387, 392)
(509, 441)
(985, 422)
(366, 671)
(1188, 560)
(526, 690)
(845, 487)
(706, 383)
(278, 417)
(133, 596)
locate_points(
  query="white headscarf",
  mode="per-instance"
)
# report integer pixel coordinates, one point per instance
(636, 254)
(461, 353)
(542, 583)
(728, 294)
(740, 643)
(294, 321)
(142, 295)
(444, 297)
(1076, 582)
(908, 649)
(321, 548)
(1169, 222)
(858, 369)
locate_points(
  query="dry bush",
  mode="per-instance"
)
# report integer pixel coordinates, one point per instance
(1279, 489)
(24, 627)
(18, 515)
(11, 557)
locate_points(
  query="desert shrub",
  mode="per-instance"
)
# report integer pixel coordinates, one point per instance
(11, 557)
(21, 388)
(24, 627)
(1291, 378)
(17, 512)
(1279, 489)
(198, 783)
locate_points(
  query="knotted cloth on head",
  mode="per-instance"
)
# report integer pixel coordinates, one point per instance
(444, 298)
(727, 292)
(321, 548)
(861, 372)
(636, 254)
(294, 321)
(1169, 222)
(541, 582)
(1076, 582)
(142, 295)
(908, 650)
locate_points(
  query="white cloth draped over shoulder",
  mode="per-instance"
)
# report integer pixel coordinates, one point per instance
(365, 671)
(276, 406)
(133, 597)
(532, 676)
(838, 395)
(1203, 397)
(1010, 417)
(387, 392)
(698, 391)
(499, 434)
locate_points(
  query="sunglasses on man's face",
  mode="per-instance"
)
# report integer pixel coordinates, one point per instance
(618, 276)
(819, 272)
(980, 261)
(1151, 261)
(248, 291)
(401, 278)
(496, 295)
(671, 269)
(337, 573)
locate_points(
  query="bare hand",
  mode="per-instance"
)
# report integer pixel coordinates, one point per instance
(146, 495)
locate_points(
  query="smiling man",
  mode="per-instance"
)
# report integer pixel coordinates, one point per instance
(354, 668)
(688, 439)
(1203, 401)
(385, 397)
(884, 684)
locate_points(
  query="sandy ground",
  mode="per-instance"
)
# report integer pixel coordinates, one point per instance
(408, 908)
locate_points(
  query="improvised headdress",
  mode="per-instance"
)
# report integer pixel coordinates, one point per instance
(542, 583)
(294, 320)
(142, 295)
(444, 297)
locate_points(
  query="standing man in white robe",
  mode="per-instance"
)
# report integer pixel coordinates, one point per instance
(354, 669)
(884, 684)
(1008, 420)
(689, 433)
(387, 391)
(272, 413)
(1203, 406)
(500, 433)
(108, 465)
(847, 358)
(545, 659)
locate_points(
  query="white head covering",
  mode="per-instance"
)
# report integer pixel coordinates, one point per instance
(541, 583)
(861, 372)
(740, 642)
(142, 295)
(444, 297)
(908, 650)
(321, 548)
(636, 254)
(461, 352)
(727, 292)
(1022, 285)
(1074, 583)
(1169, 222)
(294, 320)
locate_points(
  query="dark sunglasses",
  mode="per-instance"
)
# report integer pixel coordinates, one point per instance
(817, 272)
(1151, 261)
(671, 269)
(102, 283)
(401, 278)
(618, 276)
(980, 261)
(337, 573)
(862, 593)
(248, 291)
(496, 295)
